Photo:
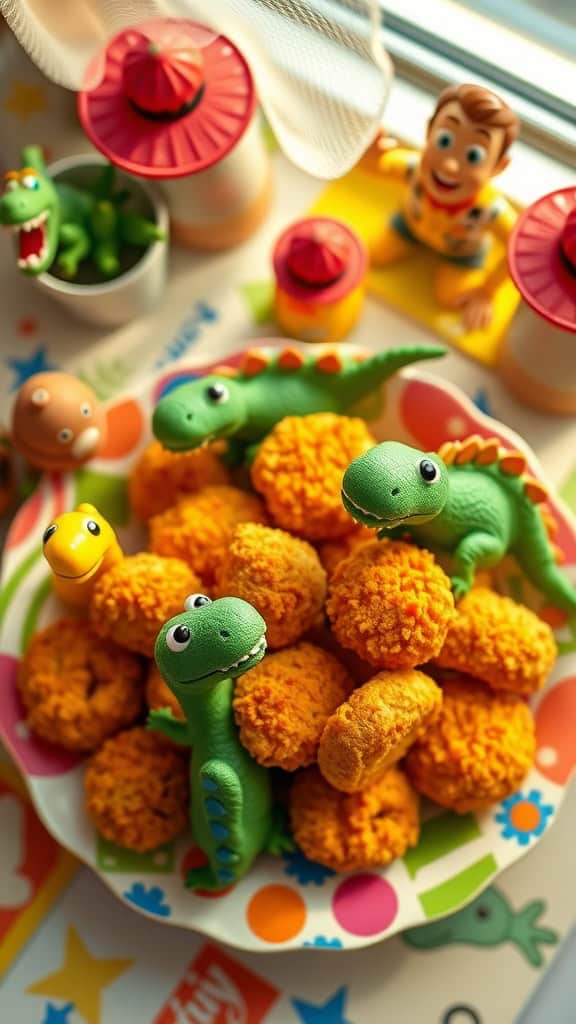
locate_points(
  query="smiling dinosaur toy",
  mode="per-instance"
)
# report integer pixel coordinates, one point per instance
(244, 405)
(199, 654)
(471, 498)
(55, 222)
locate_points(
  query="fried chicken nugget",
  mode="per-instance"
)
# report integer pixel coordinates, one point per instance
(77, 689)
(375, 727)
(332, 552)
(199, 528)
(349, 832)
(160, 477)
(280, 575)
(136, 790)
(500, 642)
(478, 750)
(282, 705)
(159, 695)
(299, 468)
(391, 603)
(133, 600)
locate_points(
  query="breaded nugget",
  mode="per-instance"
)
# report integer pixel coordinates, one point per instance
(159, 695)
(390, 603)
(349, 832)
(280, 575)
(332, 552)
(78, 689)
(199, 528)
(299, 468)
(282, 705)
(478, 750)
(160, 477)
(375, 727)
(133, 600)
(136, 790)
(500, 642)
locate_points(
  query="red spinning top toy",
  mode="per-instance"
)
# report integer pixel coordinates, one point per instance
(177, 103)
(539, 354)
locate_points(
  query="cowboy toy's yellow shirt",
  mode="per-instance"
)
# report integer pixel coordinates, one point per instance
(458, 233)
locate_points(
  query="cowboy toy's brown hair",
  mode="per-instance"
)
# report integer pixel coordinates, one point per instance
(483, 107)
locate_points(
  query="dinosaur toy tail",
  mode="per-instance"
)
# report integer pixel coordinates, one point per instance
(541, 569)
(387, 363)
(376, 369)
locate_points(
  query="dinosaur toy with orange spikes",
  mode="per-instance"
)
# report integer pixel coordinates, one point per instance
(244, 405)
(472, 498)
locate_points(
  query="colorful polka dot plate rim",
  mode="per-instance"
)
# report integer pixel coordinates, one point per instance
(289, 902)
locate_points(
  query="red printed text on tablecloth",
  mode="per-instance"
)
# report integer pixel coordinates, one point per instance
(217, 989)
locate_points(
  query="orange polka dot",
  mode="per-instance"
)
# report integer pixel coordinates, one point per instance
(125, 426)
(525, 816)
(276, 913)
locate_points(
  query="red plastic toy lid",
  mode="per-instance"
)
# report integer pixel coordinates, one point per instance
(319, 260)
(174, 99)
(542, 257)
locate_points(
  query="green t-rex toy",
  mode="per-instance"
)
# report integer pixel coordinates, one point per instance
(488, 921)
(472, 499)
(199, 654)
(245, 405)
(63, 224)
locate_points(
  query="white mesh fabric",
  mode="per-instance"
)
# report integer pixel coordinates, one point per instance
(322, 74)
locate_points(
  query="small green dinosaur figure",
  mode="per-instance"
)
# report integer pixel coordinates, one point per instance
(63, 224)
(472, 499)
(199, 654)
(488, 921)
(245, 405)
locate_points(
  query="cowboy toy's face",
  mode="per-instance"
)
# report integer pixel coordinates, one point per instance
(460, 155)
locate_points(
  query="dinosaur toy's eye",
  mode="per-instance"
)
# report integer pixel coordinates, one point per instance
(429, 471)
(218, 393)
(49, 532)
(65, 435)
(196, 601)
(86, 409)
(30, 181)
(178, 638)
(92, 527)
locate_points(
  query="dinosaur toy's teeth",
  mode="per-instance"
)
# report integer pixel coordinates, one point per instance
(32, 241)
(34, 222)
(246, 657)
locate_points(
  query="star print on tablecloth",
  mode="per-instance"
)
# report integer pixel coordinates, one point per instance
(81, 978)
(25, 99)
(331, 1012)
(25, 368)
(57, 1014)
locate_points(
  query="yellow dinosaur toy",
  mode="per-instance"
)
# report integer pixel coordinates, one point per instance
(79, 547)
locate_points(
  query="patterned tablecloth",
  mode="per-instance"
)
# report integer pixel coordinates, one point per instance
(73, 955)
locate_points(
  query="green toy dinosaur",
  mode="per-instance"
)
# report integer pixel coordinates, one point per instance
(488, 921)
(472, 499)
(63, 224)
(245, 405)
(199, 654)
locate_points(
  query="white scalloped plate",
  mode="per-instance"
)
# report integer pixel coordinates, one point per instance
(286, 903)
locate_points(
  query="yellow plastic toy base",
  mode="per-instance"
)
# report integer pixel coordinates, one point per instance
(321, 323)
(365, 200)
